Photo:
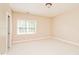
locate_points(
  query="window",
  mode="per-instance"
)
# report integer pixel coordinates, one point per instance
(26, 26)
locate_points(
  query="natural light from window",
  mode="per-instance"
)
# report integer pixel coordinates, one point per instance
(26, 26)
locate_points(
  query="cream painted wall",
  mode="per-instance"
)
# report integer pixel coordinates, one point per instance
(66, 26)
(43, 27)
(4, 8)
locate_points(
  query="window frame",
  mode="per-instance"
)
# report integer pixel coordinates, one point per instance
(27, 30)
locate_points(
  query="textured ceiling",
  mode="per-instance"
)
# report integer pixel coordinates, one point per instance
(41, 10)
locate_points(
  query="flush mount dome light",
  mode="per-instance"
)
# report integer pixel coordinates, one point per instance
(49, 5)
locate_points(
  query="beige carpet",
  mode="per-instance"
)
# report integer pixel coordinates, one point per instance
(44, 47)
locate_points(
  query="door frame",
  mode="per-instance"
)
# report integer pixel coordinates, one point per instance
(10, 28)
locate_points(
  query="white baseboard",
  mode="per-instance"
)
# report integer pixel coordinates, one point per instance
(66, 41)
(40, 38)
(57, 38)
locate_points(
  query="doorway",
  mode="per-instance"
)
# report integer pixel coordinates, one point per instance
(9, 32)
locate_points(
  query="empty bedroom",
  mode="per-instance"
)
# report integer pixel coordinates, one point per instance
(39, 28)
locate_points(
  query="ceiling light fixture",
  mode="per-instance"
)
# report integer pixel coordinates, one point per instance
(49, 5)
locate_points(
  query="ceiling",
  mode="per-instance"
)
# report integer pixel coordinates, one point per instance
(41, 10)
